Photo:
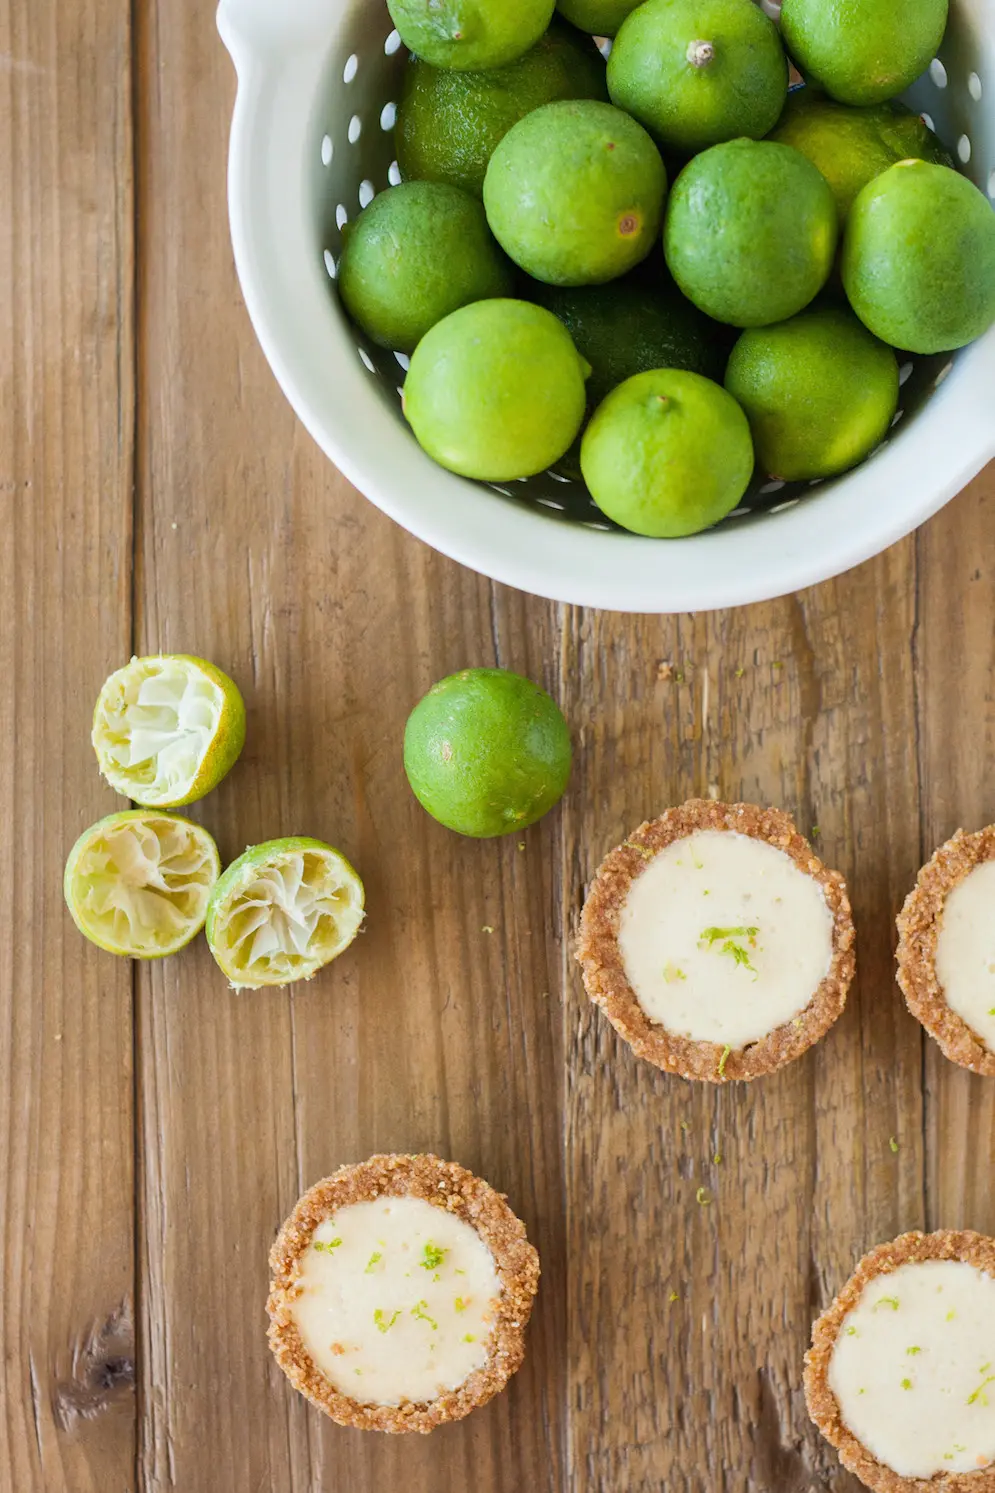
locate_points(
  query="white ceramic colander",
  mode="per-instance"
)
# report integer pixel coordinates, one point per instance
(312, 144)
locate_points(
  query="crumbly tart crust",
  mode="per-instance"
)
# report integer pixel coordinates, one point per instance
(608, 985)
(455, 1190)
(918, 930)
(823, 1407)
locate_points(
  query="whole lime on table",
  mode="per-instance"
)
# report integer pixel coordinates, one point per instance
(819, 391)
(751, 232)
(449, 124)
(668, 454)
(919, 258)
(632, 326)
(597, 17)
(496, 391)
(851, 146)
(487, 753)
(470, 34)
(863, 51)
(282, 911)
(700, 72)
(418, 252)
(575, 192)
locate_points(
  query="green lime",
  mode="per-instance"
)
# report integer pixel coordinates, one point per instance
(751, 232)
(417, 253)
(852, 146)
(487, 753)
(597, 17)
(167, 729)
(819, 391)
(496, 391)
(575, 192)
(470, 34)
(919, 258)
(863, 51)
(282, 911)
(138, 883)
(449, 124)
(699, 72)
(668, 454)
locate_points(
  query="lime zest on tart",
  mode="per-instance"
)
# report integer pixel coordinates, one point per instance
(282, 911)
(167, 729)
(138, 883)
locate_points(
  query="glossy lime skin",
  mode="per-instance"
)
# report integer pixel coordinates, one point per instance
(919, 258)
(597, 17)
(819, 391)
(418, 252)
(449, 124)
(575, 193)
(487, 753)
(496, 391)
(751, 232)
(668, 454)
(863, 51)
(698, 72)
(851, 146)
(470, 34)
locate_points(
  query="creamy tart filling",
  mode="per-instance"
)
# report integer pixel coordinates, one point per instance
(396, 1301)
(913, 1369)
(965, 951)
(724, 938)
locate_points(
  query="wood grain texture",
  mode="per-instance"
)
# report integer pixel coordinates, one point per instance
(67, 1404)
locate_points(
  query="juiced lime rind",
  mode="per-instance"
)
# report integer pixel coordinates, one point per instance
(298, 904)
(450, 123)
(174, 893)
(863, 51)
(487, 753)
(417, 253)
(470, 34)
(736, 88)
(918, 259)
(197, 758)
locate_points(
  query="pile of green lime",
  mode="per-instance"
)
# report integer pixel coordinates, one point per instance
(167, 730)
(646, 223)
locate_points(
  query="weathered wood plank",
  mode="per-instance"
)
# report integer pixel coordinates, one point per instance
(67, 1403)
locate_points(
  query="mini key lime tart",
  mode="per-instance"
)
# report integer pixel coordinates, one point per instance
(401, 1291)
(946, 949)
(900, 1378)
(717, 943)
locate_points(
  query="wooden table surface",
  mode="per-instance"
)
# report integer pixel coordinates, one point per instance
(156, 1128)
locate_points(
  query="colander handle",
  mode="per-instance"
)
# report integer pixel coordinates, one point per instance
(268, 29)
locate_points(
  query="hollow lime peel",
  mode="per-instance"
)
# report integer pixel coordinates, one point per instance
(167, 729)
(282, 911)
(137, 883)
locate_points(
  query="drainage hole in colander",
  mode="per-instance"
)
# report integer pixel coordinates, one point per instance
(327, 151)
(367, 192)
(964, 148)
(388, 117)
(403, 360)
(502, 490)
(392, 44)
(783, 507)
(991, 185)
(589, 523)
(943, 374)
(366, 360)
(738, 513)
(559, 477)
(355, 129)
(341, 216)
(330, 264)
(551, 503)
(938, 73)
(774, 486)
(899, 417)
(394, 174)
(904, 374)
(927, 120)
(351, 69)
(974, 87)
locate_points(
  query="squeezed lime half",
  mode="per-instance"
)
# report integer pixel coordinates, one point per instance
(167, 729)
(282, 911)
(137, 883)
